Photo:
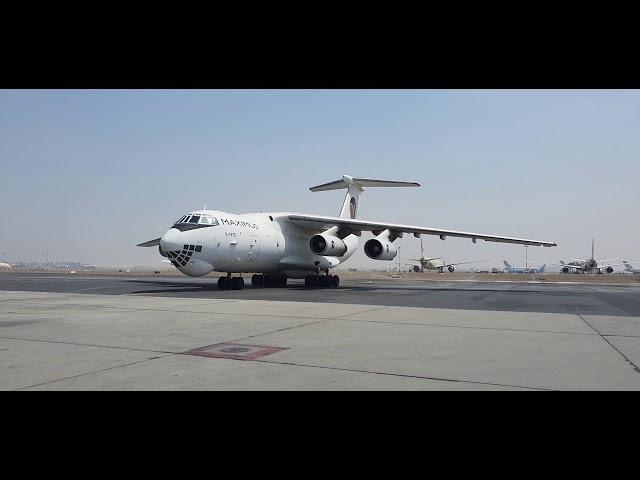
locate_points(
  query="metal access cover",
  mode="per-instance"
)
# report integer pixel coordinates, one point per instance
(234, 351)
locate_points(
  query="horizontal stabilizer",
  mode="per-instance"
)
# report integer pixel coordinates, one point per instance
(360, 183)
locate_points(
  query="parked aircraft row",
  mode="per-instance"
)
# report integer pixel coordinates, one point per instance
(281, 245)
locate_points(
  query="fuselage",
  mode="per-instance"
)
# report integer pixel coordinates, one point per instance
(253, 242)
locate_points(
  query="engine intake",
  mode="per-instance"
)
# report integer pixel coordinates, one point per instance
(451, 268)
(327, 245)
(380, 249)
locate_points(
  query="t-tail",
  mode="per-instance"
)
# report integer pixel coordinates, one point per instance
(355, 186)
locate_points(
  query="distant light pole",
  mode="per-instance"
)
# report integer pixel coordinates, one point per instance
(399, 258)
(526, 257)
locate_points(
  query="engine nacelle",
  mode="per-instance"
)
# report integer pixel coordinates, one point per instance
(380, 249)
(609, 269)
(565, 269)
(451, 268)
(327, 245)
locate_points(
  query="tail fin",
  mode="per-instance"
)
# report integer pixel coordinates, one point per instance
(355, 186)
(541, 269)
(506, 264)
(627, 266)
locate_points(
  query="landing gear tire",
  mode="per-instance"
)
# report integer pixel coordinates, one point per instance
(322, 281)
(257, 281)
(275, 280)
(229, 283)
(237, 283)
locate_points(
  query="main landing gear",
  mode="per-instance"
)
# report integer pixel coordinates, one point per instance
(318, 280)
(268, 280)
(229, 283)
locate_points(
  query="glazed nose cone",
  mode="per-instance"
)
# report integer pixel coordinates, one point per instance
(171, 240)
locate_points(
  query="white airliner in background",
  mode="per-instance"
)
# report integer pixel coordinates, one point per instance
(435, 263)
(590, 265)
(290, 245)
(630, 268)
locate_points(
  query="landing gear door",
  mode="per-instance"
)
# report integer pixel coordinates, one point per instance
(254, 248)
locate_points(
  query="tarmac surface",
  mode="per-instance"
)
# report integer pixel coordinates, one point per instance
(576, 298)
(65, 332)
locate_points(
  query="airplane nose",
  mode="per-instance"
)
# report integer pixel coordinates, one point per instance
(171, 240)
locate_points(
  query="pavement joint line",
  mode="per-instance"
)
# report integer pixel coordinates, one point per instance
(364, 311)
(86, 289)
(85, 344)
(280, 330)
(89, 373)
(400, 375)
(465, 326)
(633, 365)
(191, 311)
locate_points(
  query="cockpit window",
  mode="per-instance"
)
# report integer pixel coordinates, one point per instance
(204, 219)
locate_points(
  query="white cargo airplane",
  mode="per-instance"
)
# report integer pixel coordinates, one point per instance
(290, 245)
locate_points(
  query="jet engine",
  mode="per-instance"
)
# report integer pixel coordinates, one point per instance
(380, 249)
(327, 245)
(609, 269)
(565, 269)
(451, 268)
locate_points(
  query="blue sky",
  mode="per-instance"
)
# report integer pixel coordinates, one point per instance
(87, 174)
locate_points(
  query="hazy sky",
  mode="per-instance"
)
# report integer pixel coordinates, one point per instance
(88, 174)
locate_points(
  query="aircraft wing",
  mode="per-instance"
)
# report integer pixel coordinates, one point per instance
(150, 243)
(606, 262)
(577, 267)
(357, 226)
(463, 263)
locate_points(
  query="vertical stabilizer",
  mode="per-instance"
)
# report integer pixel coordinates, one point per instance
(350, 205)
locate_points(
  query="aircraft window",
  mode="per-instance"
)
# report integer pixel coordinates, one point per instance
(214, 221)
(194, 219)
(205, 220)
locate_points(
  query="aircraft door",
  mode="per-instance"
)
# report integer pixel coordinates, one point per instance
(254, 248)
